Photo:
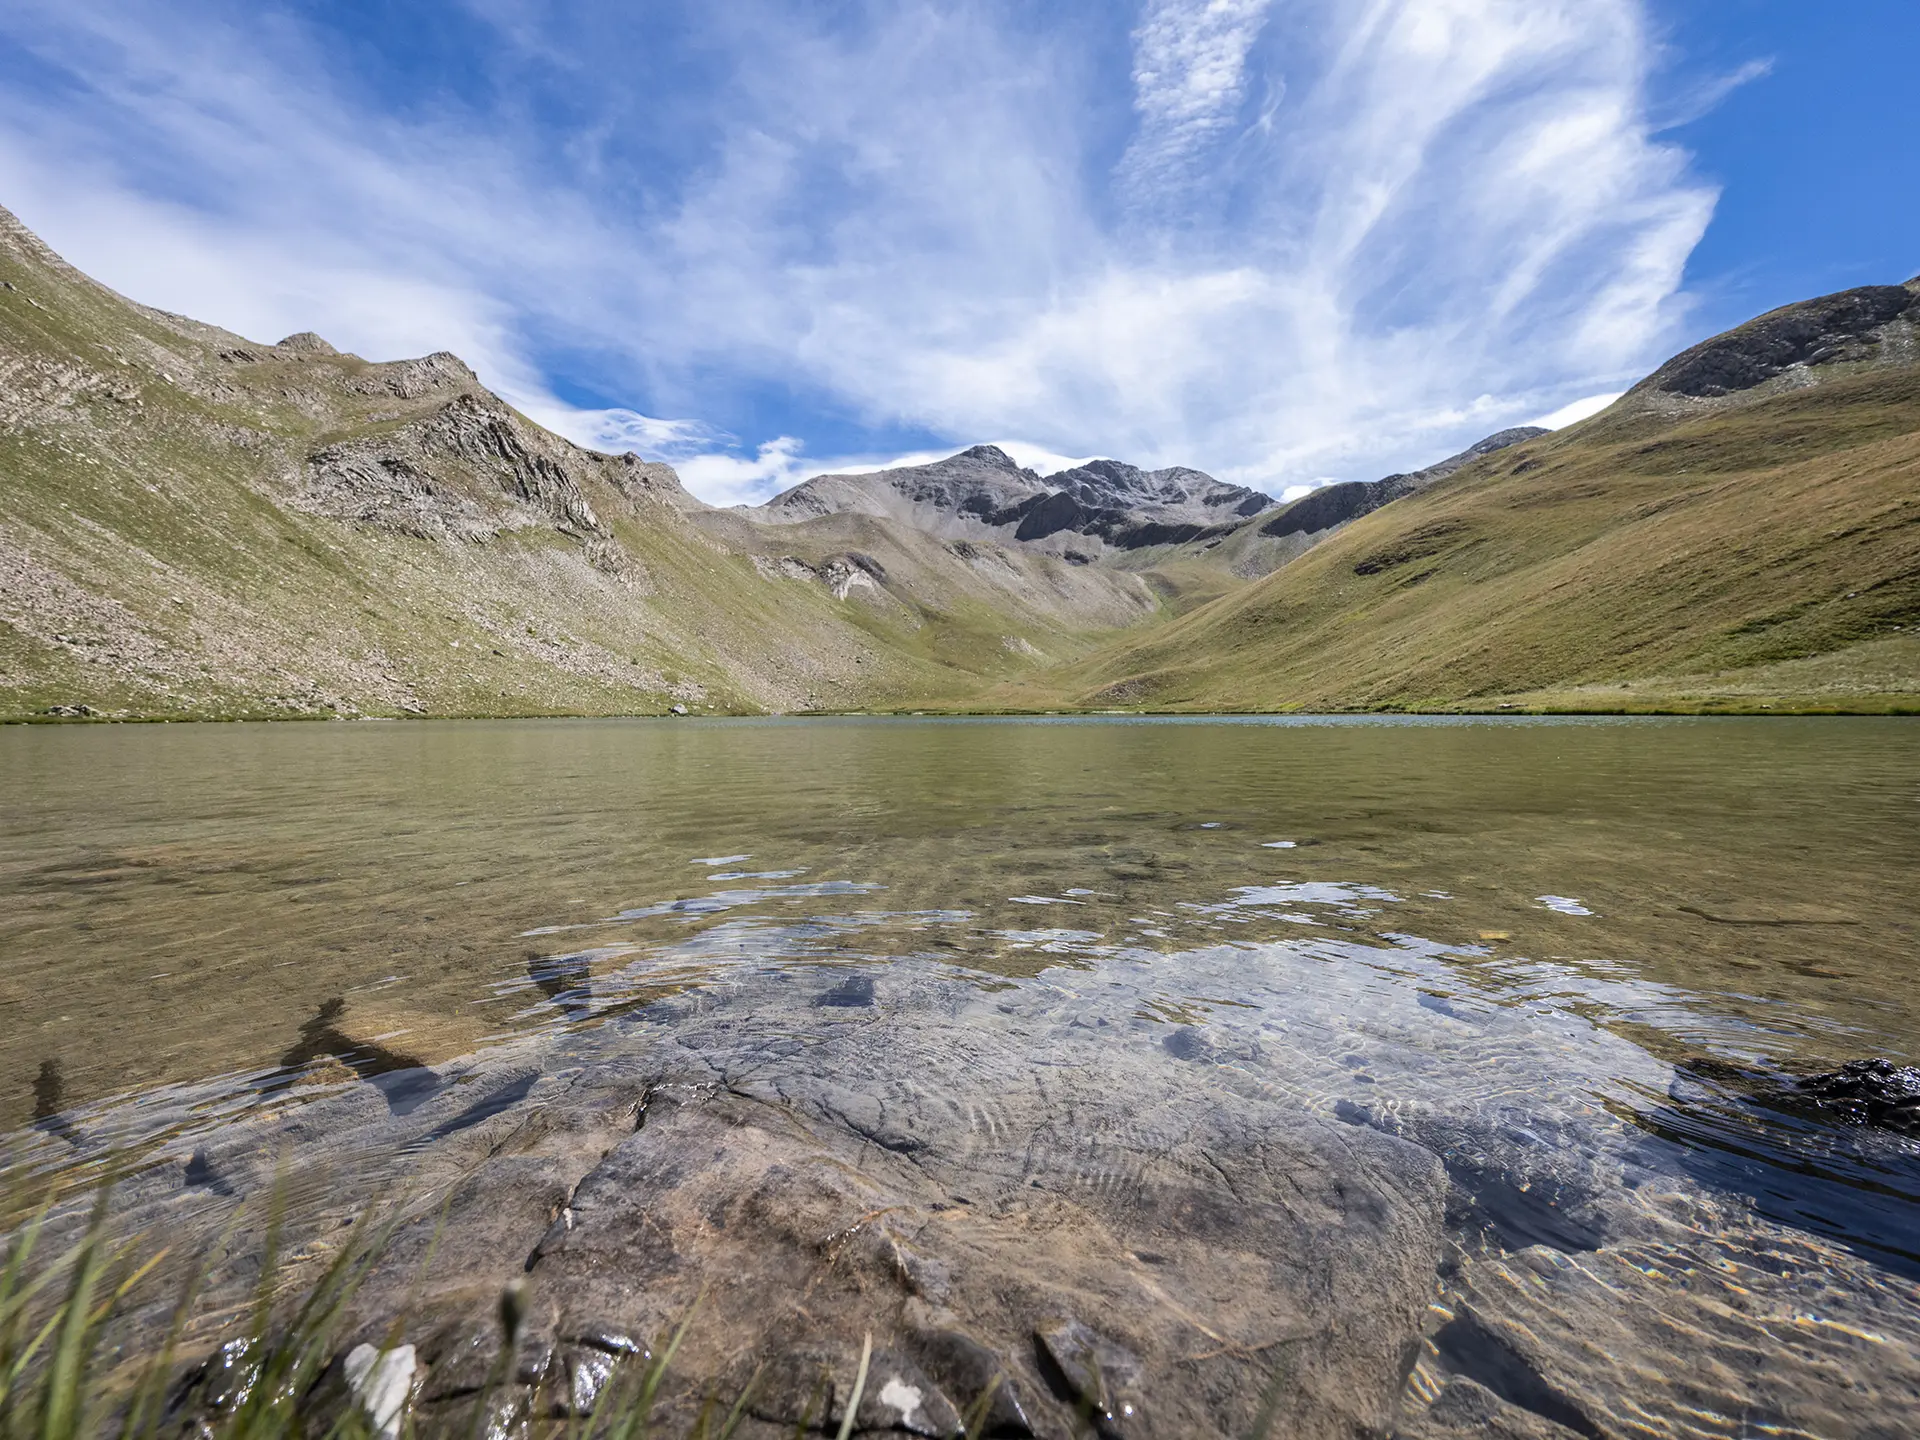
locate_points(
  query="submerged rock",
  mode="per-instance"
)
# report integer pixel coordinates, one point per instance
(1095, 1376)
(1051, 1207)
(1874, 1093)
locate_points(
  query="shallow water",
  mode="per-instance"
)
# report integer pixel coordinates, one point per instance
(1519, 927)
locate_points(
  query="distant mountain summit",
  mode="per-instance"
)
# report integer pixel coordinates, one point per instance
(983, 494)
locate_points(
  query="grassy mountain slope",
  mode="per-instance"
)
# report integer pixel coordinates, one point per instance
(194, 524)
(1699, 545)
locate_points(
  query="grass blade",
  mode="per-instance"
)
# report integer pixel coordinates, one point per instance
(859, 1387)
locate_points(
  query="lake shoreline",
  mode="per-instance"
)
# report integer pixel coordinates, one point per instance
(1893, 706)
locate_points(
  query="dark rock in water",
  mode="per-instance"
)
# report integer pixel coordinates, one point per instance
(966, 1370)
(1097, 1377)
(1469, 1347)
(1832, 1153)
(851, 993)
(1874, 1093)
(1188, 1043)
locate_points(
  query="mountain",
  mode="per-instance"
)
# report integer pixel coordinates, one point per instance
(1081, 514)
(1271, 538)
(193, 523)
(1740, 530)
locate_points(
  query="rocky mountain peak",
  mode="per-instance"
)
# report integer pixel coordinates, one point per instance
(306, 343)
(983, 493)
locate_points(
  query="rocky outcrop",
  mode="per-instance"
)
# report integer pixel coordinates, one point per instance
(1043, 1197)
(306, 343)
(969, 487)
(1873, 324)
(468, 471)
(1129, 1234)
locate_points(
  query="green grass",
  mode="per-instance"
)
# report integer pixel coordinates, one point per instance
(1756, 555)
(1730, 563)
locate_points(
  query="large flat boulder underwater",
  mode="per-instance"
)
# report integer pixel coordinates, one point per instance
(1129, 1233)
(1357, 1198)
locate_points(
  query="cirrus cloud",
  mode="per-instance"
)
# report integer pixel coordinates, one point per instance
(1280, 242)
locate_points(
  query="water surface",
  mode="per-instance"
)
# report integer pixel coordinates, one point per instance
(1566, 925)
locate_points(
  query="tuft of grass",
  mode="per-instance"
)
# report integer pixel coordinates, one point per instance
(278, 1377)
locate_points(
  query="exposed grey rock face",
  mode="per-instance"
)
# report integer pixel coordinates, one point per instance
(470, 470)
(982, 494)
(1335, 505)
(1874, 323)
(1100, 1229)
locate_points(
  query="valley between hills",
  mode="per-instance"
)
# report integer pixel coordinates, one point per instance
(196, 525)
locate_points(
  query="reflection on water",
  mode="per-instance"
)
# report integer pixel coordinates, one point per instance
(1581, 961)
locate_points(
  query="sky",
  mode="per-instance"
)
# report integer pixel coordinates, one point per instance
(1287, 242)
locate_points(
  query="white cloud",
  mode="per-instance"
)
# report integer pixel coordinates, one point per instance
(1707, 95)
(1189, 78)
(618, 429)
(1036, 458)
(1445, 216)
(1576, 411)
(720, 478)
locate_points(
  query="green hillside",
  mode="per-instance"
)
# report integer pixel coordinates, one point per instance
(1748, 548)
(195, 524)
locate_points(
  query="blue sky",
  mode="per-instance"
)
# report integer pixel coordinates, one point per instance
(1285, 241)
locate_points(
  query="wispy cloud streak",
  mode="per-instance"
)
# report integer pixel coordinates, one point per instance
(1282, 243)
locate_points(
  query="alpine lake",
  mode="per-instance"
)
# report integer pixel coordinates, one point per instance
(1417, 1076)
